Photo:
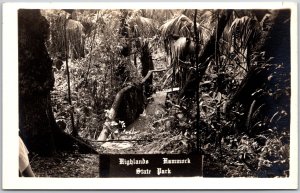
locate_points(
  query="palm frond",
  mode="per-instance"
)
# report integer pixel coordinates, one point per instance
(178, 48)
(200, 13)
(179, 25)
(207, 23)
(245, 29)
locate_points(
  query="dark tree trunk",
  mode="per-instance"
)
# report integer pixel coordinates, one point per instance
(35, 82)
(277, 44)
(147, 65)
(124, 33)
(35, 125)
(36, 121)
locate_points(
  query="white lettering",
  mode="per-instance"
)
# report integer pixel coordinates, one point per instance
(133, 161)
(142, 171)
(176, 161)
(163, 171)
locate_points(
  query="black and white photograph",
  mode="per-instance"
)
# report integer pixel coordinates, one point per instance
(154, 93)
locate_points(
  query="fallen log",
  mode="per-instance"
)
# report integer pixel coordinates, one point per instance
(129, 103)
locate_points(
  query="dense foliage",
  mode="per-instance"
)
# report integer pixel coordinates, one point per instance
(243, 96)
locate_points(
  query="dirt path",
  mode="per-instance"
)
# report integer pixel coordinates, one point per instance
(143, 129)
(154, 110)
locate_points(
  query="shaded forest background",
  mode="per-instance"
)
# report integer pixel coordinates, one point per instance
(156, 81)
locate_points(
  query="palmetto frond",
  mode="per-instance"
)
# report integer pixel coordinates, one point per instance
(206, 25)
(244, 30)
(180, 26)
(180, 48)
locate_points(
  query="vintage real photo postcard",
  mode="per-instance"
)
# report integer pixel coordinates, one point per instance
(150, 95)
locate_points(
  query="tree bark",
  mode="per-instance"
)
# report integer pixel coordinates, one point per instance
(127, 106)
(37, 124)
(147, 65)
(35, 82)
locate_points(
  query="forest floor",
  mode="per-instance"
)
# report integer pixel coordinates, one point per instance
(66, 166)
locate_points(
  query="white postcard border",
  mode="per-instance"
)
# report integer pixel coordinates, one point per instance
(10, 178)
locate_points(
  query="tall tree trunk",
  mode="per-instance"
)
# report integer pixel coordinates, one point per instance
(35, 82)
(147, 65)
(36, 120)
(74, 129)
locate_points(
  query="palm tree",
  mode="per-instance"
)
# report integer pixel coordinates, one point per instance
(179, 40)
(177, 33)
